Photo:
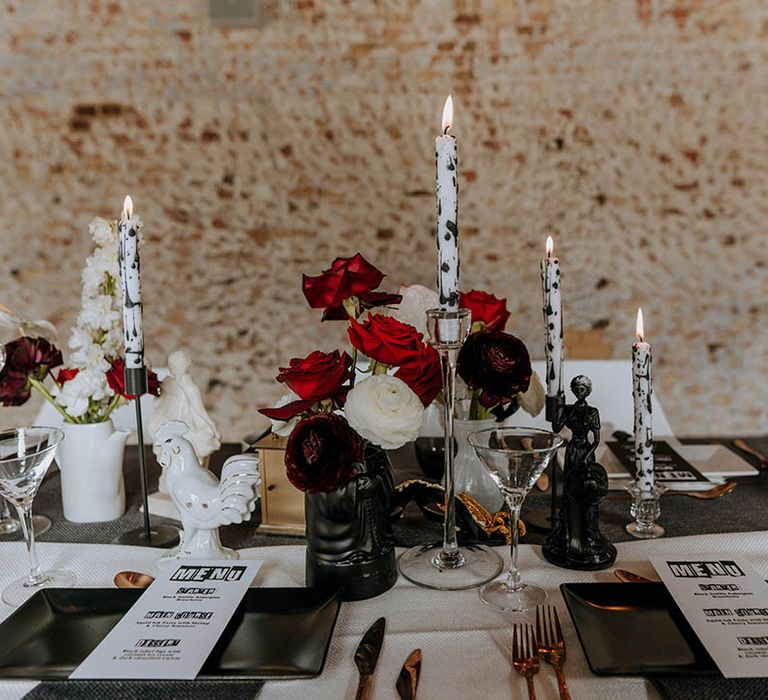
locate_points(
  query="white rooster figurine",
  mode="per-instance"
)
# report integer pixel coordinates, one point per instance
(204, 502)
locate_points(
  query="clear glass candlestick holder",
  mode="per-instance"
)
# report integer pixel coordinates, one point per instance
(645, 509)
(446, 565)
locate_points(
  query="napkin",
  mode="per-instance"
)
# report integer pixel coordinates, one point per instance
(145, 690)
(711, 688)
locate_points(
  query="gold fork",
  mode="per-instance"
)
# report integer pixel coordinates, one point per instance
(525, 655)
(552, 644)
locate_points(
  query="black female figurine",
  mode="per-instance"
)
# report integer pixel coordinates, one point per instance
(576, 541)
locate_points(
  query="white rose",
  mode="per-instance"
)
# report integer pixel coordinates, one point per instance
(284, 428)
(384, 410)
(412, 309)
(532, 401)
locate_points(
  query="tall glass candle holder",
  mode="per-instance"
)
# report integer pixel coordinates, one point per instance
(446, 565)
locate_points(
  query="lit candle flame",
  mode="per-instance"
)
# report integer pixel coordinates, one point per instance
(447, 114)
(639, 331)
(550, 246)
(128, 207)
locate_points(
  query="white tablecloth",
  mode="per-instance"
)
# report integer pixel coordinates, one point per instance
(466, 646)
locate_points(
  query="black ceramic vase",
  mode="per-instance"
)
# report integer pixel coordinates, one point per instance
(350, 546)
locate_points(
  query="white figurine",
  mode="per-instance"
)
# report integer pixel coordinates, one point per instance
(205, 503)
(180, 401)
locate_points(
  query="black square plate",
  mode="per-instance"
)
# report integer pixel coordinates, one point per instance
(634, 629)
(275, 633)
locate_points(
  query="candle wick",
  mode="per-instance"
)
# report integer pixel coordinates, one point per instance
(445, 131)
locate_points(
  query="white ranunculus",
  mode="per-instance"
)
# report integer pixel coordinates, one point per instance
(384, 410)
(412, 309)
(532, 401)
(284, 428)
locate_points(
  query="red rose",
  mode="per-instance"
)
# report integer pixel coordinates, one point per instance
(347, 277)
(317, 377)
(423, 374)
(386, 340)
(25, 358)
(322, 453)
(497, 363)
(65, 375)
(116, 379)
(486, 309)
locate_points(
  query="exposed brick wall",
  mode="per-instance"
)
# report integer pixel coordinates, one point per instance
(636, 133)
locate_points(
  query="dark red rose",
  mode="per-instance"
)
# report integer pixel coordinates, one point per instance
(486, 309)
(423, 374)
(497, 363)
(317, 377)
(322, 453)
(386, 340)
(25, 358)
(347, 277)
(116, 379)
(65, 375)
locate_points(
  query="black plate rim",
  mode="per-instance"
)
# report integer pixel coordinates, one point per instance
(567, 592)
(43, 673)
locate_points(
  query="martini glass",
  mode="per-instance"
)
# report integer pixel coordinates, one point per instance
(25, 455)
(446, 565)
(515, 459)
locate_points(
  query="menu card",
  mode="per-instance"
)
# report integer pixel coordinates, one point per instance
(172, 628)
(726, 603)
(669, 466)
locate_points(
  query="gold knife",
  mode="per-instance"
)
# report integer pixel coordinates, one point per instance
(408, 680)
(367, 655)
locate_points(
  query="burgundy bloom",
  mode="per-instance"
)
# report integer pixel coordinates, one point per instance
(317, 377)
(25, 358)
(497, 363)
(116, 379)
(347, 277)
(322, 453)
(386, 340)
(486, 309)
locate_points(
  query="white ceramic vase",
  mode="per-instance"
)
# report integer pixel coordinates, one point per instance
(470, 475)
(90, 459)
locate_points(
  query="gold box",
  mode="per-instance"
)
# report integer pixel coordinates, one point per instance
(282, 504)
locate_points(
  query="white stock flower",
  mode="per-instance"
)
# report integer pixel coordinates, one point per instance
(412, 309)
(384, 410)
(101, 231)
(75, 394)
(284, 428)
(532, 401)
(98, 313)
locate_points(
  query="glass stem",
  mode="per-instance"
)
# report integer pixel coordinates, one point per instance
(5, 513)
(512, 579)
(450, 545)
(25, 515)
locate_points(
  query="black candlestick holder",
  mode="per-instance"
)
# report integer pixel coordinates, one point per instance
(149, 535)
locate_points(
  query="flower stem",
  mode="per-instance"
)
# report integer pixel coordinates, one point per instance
(354, 368)
(47, 394)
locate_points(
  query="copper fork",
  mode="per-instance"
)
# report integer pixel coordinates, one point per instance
(552, 644)
(525, 655)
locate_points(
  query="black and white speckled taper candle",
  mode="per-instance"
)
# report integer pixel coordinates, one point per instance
(642, 389)
(447, 214)
(130, 277)
(553, 321)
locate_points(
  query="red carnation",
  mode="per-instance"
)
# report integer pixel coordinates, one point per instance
(25, 358)
(347, 277)
(66, 374)
(487, 310)
(497, 363)
(322, 453)
(386, 340)
(116, 379)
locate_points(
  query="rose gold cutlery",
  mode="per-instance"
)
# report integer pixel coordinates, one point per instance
(132, 579)
(740, 444)
(630, 577)
(551, 644)
(717, 491)
(408, 680)
(525, 655)
(366, 656)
